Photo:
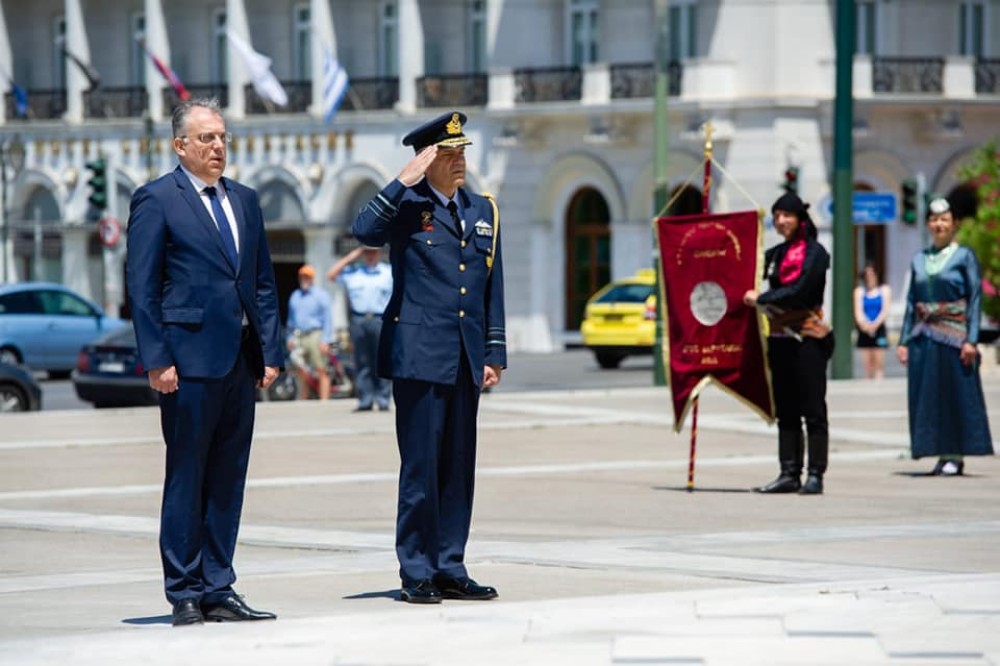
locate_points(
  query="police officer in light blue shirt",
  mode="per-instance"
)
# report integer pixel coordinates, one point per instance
(310, 330)
(369, 287)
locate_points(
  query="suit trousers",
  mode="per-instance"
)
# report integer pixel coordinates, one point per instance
(365, 332)
(798, 373)
(436, 433)
(207, 426)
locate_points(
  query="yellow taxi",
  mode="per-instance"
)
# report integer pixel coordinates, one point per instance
(620, 319)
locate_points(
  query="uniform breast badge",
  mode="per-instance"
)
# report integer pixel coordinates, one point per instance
(483, 228)
(425, 221)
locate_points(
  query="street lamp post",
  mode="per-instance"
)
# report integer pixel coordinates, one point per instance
(11, 155)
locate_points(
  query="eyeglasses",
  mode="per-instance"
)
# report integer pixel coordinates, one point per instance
(209, 138)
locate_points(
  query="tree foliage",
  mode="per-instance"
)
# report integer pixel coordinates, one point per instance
(982, 233)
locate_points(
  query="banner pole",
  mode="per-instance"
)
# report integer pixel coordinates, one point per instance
(706, 195)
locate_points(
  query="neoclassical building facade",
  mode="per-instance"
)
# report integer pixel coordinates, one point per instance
(559, 95)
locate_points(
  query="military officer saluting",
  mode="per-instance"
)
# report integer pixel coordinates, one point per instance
(442, 342)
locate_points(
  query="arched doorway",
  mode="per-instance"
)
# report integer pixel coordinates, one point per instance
(588, 251)
(279, 203)
(283, 218)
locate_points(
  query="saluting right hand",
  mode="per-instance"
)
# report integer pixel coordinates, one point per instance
(415, 169)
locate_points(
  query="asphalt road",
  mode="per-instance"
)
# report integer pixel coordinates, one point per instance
(573, 368)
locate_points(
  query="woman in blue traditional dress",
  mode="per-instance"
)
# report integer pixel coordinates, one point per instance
(938, 346)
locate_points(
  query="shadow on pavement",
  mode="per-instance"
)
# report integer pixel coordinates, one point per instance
(698, 489)
(153, 619)
(384, 594)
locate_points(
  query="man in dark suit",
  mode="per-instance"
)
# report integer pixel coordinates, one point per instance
(442, 342)
(205, 311)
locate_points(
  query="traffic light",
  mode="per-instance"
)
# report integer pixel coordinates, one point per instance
(909, 193)
(98, 184)
(791, 184)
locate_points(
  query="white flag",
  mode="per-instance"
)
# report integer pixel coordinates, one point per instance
(335, 84)
(259, 68)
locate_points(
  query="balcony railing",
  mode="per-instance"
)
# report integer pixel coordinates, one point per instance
(299, 98)
(988, 76)
(633, 80)
(369, 94)
(126, 102)
(548, 84)
(42, 105)
(908, 75)
(452, 90)
(219, 91)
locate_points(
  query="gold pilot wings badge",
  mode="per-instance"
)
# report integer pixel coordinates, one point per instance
(484, 228)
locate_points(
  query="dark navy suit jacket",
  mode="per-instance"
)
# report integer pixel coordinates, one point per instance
(445, 297)
(187, 300)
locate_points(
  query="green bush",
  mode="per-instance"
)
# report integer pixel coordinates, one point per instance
(982, 233)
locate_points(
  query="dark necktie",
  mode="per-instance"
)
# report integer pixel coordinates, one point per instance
(223, 224)
(453, 209)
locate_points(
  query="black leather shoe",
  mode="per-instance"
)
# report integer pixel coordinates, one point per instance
(420, 592)
(813, 485)
(783, 484)
(464, 588)
(186, 611)
(233, 609)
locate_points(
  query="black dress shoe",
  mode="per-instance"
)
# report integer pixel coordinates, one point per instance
(464, 588)
(366, 408)
(420, 592)
(813, 485)
(233, 609)
(186, 611)
(785, 483)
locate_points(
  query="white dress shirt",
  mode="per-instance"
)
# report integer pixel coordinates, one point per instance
(227, 207)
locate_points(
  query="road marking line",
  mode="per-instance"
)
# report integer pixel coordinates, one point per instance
(392, 477)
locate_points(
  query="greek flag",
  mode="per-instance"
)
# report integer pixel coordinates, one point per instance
(335, 84)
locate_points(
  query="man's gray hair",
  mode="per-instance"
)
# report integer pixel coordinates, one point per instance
(179, 118)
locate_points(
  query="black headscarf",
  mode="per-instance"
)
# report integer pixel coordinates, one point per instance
(790, 202)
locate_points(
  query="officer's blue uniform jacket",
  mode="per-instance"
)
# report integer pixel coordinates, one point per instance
(445, 296)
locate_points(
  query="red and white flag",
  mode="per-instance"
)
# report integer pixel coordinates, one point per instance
(164, 69)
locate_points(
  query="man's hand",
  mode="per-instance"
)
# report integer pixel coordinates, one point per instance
(270, 374)
(750, 298)
(491, 376)
(414, 170)
(163, 380)
(903, 354)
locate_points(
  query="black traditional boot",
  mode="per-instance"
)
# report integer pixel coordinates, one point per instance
(790, 456)
(819, 448)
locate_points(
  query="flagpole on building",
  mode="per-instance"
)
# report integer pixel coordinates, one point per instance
(706, 198)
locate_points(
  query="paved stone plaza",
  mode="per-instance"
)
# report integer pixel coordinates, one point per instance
(582, 522)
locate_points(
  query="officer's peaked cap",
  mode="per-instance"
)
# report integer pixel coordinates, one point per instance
(444, 131)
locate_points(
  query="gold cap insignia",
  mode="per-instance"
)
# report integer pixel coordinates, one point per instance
(455, 126)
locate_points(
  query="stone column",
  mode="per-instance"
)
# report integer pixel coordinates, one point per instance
(159, 45)
(236, 23)
(411, 53)
(76, 43)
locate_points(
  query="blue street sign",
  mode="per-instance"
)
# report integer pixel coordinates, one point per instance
(874, 207)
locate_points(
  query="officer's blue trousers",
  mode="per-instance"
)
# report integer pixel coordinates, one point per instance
(436, 433)
(207, 426)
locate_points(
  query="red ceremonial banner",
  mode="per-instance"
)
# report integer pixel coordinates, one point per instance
(709, 261)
